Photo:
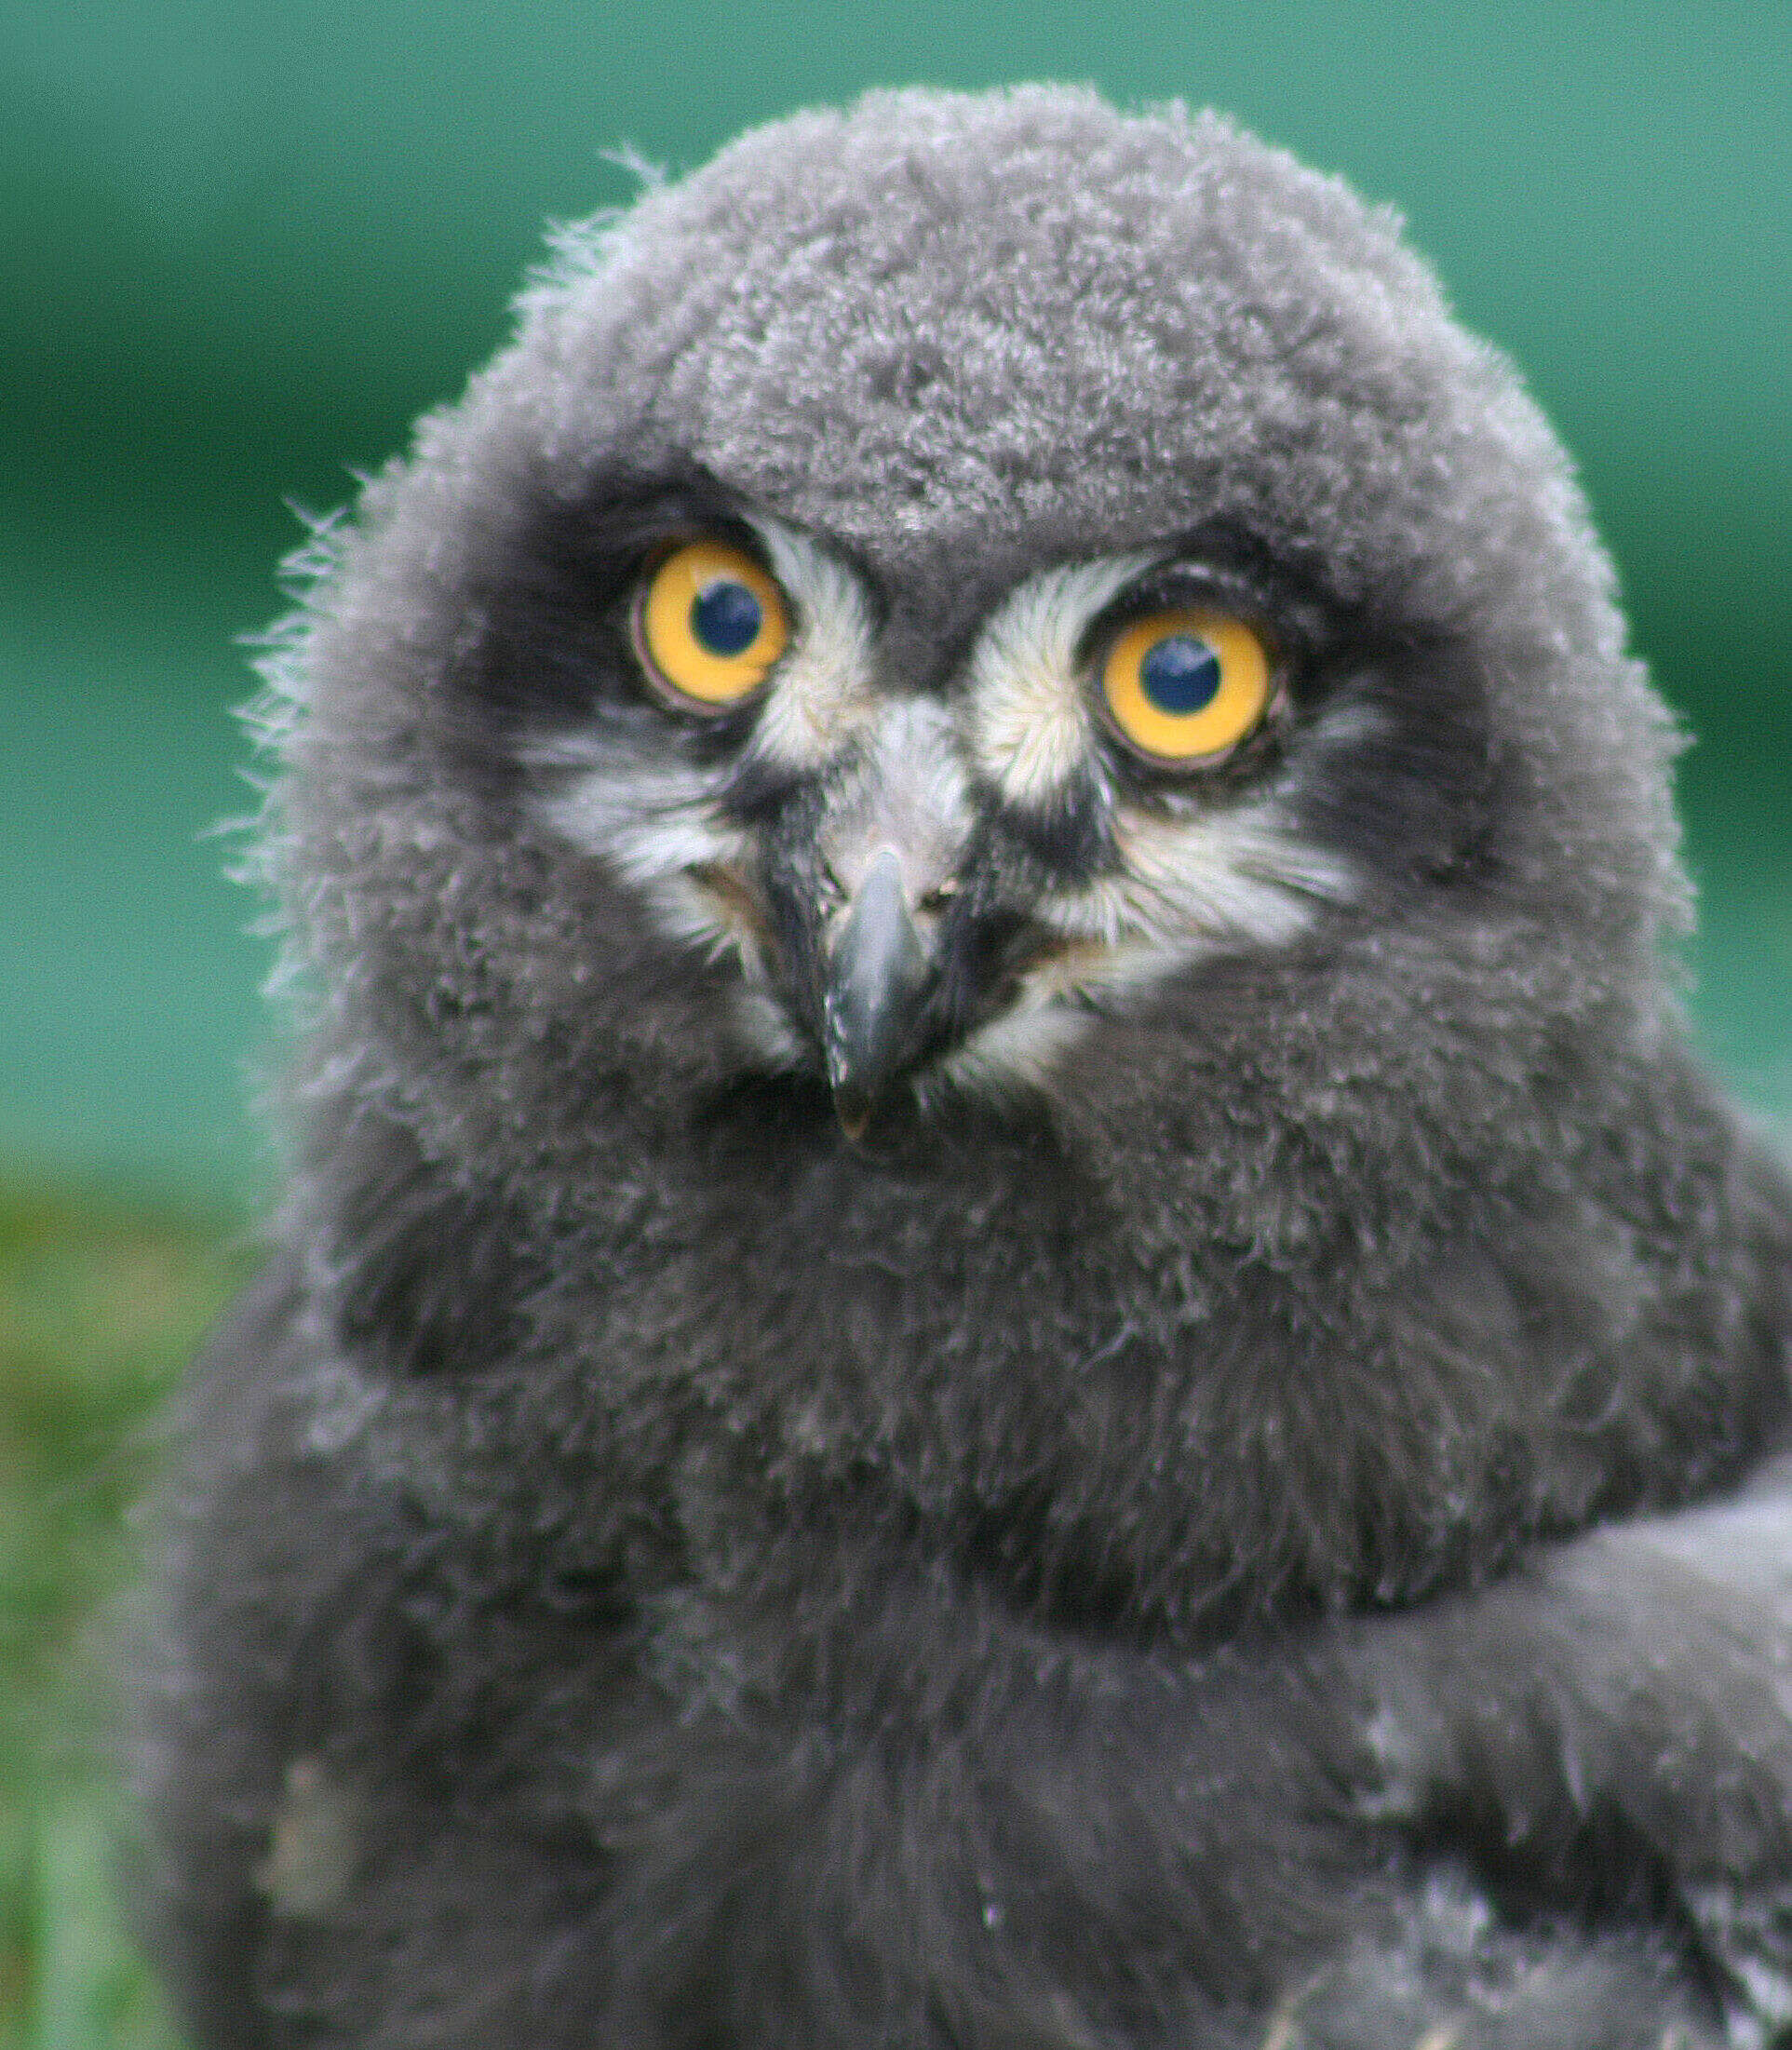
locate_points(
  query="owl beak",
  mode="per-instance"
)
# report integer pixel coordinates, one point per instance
(880, 978)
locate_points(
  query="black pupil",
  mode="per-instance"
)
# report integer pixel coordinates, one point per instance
(1180, 674)
(726, 617)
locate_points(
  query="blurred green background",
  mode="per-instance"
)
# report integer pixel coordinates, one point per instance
(244, 245)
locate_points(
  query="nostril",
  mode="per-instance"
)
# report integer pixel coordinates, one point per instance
(939, 896)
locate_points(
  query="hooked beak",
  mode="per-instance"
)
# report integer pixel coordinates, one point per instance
(880, 981)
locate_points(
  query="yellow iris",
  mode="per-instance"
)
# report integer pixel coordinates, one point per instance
(710, 624)
(1186, 685)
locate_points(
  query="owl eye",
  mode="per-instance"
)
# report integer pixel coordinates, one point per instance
(708, 625)
(1185, 686)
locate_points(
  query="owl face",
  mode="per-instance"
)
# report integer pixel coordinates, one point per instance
(929, 600)
(935, 870)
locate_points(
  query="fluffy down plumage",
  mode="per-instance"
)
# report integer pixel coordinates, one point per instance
(1203, 1469)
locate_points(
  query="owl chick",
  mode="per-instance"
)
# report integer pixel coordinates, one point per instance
(1008, 1315)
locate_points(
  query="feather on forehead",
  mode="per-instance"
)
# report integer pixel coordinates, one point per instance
(954, 308)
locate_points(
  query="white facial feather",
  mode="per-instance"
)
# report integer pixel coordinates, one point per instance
(658, 828)
(1029, 727)
(821, 694)
(1187, 884)
(646, 822)
(1011, 1055)
(1193, 882)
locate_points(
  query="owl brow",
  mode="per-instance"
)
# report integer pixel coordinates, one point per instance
(626, 512)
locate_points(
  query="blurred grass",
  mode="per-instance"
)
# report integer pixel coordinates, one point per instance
(101, 1306)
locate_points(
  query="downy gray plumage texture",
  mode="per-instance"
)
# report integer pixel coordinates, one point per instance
(1093, 1558)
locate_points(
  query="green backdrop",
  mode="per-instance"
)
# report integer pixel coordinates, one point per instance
(244, 244)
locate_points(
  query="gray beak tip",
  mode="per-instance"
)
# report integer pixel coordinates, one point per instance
(879, 984)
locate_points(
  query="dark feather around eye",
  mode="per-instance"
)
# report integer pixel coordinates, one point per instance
(548, 643)
(1226, 571)
(762, 788)
(1416, 800)
(1068, 841)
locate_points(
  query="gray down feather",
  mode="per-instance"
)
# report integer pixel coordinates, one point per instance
(1267, 1534)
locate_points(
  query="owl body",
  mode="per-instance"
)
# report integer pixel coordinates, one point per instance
(1008, 1315)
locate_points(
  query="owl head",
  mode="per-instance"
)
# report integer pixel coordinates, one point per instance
(974, 848)
(977, 607)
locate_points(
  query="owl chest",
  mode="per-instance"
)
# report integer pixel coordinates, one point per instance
(1106, 1430)
(1108, 1408)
